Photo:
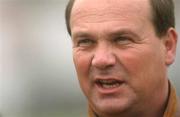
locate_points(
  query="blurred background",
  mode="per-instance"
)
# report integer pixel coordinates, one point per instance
(37, 76)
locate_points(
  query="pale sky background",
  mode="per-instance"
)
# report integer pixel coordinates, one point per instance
(38, 78)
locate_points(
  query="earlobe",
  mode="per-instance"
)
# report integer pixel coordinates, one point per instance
(170, 45)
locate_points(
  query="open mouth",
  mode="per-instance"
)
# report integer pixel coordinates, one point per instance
(108, 84)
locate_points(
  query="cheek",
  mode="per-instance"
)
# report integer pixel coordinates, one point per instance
(144, 60)
(135, 62)
(82, 63)
(143, 66)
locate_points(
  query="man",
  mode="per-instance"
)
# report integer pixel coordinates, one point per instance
(121, 51)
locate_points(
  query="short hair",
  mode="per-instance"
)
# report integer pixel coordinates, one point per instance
(162, 14)
(68, 14)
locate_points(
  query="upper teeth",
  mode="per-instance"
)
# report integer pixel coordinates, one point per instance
(109, 83)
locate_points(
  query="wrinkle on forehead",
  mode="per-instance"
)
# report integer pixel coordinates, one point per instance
(102, 10)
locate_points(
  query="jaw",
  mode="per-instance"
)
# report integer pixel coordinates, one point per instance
(111, 104)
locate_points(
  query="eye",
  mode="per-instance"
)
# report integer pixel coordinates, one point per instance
(85, 42)
(123, 40)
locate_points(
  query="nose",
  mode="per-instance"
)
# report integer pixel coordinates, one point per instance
(103, 58)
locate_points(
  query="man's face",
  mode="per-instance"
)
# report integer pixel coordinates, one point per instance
(120, 62)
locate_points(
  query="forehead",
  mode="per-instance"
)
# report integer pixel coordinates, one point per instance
(103, 9)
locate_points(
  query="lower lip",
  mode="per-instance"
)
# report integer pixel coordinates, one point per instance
(112, 90)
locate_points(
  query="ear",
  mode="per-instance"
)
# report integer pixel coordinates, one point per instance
(170, 45)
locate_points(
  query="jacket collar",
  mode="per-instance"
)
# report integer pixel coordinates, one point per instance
(171, 109)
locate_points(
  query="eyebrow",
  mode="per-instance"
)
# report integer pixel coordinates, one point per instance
(80, 34)
(123, 32)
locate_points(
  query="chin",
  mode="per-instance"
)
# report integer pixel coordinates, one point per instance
(111, 107)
